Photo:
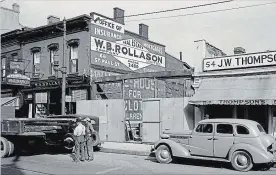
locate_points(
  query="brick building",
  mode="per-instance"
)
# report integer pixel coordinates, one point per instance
(96, 46)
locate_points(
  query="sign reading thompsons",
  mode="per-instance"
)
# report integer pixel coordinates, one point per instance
(112, 46)
(238, 102)
(240, 61)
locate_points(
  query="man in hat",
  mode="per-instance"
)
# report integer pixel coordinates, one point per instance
(89, 130)
(79, 134)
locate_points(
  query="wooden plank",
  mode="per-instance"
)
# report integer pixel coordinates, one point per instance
(162, 74)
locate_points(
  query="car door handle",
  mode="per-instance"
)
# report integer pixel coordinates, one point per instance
(215, 138)
(210, 138)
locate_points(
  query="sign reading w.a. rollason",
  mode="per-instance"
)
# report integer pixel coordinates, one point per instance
(240, 61)
(111, 47)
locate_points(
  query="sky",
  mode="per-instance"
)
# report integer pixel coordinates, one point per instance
(252, 28)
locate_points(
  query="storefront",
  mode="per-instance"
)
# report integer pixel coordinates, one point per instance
(242, 91)
(44, 96)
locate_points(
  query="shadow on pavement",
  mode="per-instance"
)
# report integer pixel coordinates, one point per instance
(206, 163)
(13, 168)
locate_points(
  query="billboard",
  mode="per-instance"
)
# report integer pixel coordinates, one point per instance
(240, 61)
(111, 47)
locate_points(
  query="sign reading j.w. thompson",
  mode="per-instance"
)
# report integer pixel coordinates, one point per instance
(129, 52)
(240, 61)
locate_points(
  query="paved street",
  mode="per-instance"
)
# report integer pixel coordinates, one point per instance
(107, 163)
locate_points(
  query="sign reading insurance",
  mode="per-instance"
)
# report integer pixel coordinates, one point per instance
(112, 47)
(240, 61)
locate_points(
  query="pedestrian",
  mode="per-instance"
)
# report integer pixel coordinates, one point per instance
(79, 133)
(206, 116)
(89, 130)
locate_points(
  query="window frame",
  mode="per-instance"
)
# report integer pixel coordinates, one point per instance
(249, 133)
(205, 132)
(233, 130)
(72, 47)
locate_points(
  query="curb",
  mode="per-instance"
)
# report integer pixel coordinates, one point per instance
(117, 151)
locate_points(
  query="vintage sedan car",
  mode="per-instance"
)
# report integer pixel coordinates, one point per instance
(243, 143)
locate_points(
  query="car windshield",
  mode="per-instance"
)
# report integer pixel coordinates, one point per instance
(261, 129)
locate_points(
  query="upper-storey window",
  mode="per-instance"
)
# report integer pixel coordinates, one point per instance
(36, 53)
(53, 48)
(73, 64)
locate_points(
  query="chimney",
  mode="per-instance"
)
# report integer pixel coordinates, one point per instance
(180, 56)
(119, 15)
(16, 7)
(239, 50)
(144, 31)
(52, 19)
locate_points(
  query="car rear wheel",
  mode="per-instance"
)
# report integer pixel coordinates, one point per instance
(241, 161)
(163, 154)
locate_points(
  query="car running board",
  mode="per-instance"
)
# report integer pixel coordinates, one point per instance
(208, 158)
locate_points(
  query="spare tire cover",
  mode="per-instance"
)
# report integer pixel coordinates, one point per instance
(96, 138)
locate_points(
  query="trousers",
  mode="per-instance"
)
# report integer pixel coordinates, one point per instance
(79, 151)
(89, 151)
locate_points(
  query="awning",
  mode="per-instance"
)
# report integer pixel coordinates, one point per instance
(10, 101)
(245, 90)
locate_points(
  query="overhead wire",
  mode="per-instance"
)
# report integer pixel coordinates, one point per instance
(177, 9)
(206, 12)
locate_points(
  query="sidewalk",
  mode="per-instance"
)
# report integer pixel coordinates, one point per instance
(126, 148)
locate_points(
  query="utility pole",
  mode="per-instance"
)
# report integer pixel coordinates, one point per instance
(63, 70)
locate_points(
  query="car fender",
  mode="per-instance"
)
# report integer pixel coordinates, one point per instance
(177, 149)
(258, 155)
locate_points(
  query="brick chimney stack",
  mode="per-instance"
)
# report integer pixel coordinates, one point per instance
(144, 31)
(52, 19)
(118, 15)
(239, 50)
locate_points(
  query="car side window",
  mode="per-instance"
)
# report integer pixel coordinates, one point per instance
(224, 129)
(204, 128)
(242, 130)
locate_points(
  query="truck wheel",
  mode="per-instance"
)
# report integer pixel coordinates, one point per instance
(96, 138)
(11, 146)
(4, 147)
(69, 142)
(241, 161)
(163, 154)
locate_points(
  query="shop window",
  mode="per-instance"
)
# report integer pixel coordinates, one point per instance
(73, 64)
(242, 130)
(224, 129)
(204, 128)
(274, 120)
(52, 48)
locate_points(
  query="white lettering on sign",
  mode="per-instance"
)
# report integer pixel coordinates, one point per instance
(240, 102)
(102, 32)
(240, 61)
(107, 23)
(154, 48)
(124, 53)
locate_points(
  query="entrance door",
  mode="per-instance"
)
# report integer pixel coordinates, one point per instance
(151, 121)
(202, 143)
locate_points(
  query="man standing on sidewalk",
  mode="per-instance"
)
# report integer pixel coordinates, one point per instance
(89, 130)
(79, 134)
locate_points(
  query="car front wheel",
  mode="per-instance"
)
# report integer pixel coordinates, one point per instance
(163, 154)
(241, 161)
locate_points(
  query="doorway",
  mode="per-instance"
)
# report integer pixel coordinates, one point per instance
(151, 121)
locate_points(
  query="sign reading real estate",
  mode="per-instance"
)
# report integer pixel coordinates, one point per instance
(111, 47)
(240, 61)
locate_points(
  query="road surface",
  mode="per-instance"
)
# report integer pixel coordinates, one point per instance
(107, 163)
